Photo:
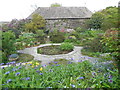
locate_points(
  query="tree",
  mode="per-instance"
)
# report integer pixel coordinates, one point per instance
(111, 18)
(96, 20)
(56, 5)
(37, 22)
(105, 19)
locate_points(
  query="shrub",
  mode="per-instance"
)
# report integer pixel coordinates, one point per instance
(66, 46)
(8, 40)
(56, 36)
(95, 45)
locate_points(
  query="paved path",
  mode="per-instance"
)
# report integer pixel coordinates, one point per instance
(74, 56)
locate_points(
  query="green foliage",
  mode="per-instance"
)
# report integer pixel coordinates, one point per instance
(111, 40)
(105, 19)
(66, 46)
(96, 20)
(36, 23)
(111, 18)
(25, 39)
(74, 75)
(79, 30)
(8, 40)
(56, 5)
(56, 36)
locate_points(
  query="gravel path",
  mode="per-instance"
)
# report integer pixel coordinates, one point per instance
(74, 56)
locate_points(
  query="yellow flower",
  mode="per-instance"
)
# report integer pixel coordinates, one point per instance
(41, 69)
(37, 63)
(24, 63)
(30, 62)
(32, 66)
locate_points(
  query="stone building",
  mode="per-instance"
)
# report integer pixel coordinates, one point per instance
(63, 18)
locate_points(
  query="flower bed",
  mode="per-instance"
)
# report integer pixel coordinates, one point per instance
(52, 50)
(71, 75)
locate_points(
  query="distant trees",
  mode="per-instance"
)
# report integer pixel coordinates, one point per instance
(56, 5)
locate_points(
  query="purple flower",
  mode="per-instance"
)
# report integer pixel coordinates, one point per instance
(40, 73)
(79, 60)
(69, 62)
(73, 85)
(18, 73)
(110, 76)
(7, 72)
(27, 78)
(110, 80)
(93, 73)
(71, 58)
(55, 62)
(37, 71)
(9, 80)
(80, 78)
(3, 84)
(44, 65)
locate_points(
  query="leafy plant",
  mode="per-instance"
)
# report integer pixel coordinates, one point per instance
(8, 40)
(37, 22)
(66, 46)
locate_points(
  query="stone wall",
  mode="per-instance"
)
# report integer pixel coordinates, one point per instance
(63, 24)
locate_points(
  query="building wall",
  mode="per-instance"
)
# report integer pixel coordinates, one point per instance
(63, 24)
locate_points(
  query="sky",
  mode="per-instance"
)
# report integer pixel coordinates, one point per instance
(20, 9)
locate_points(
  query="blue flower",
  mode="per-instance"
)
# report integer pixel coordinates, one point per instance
(40, 73)
(2, 67)
(18, 73)
(14, 69)
(51, 70)
(1, 64)
(7, 72)
(27, 78)
(44, 65)
(57, 65)
(37, 71)
(9, 80)
(55, 62)
(80, 78)
(19, 67)
(73, 85)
